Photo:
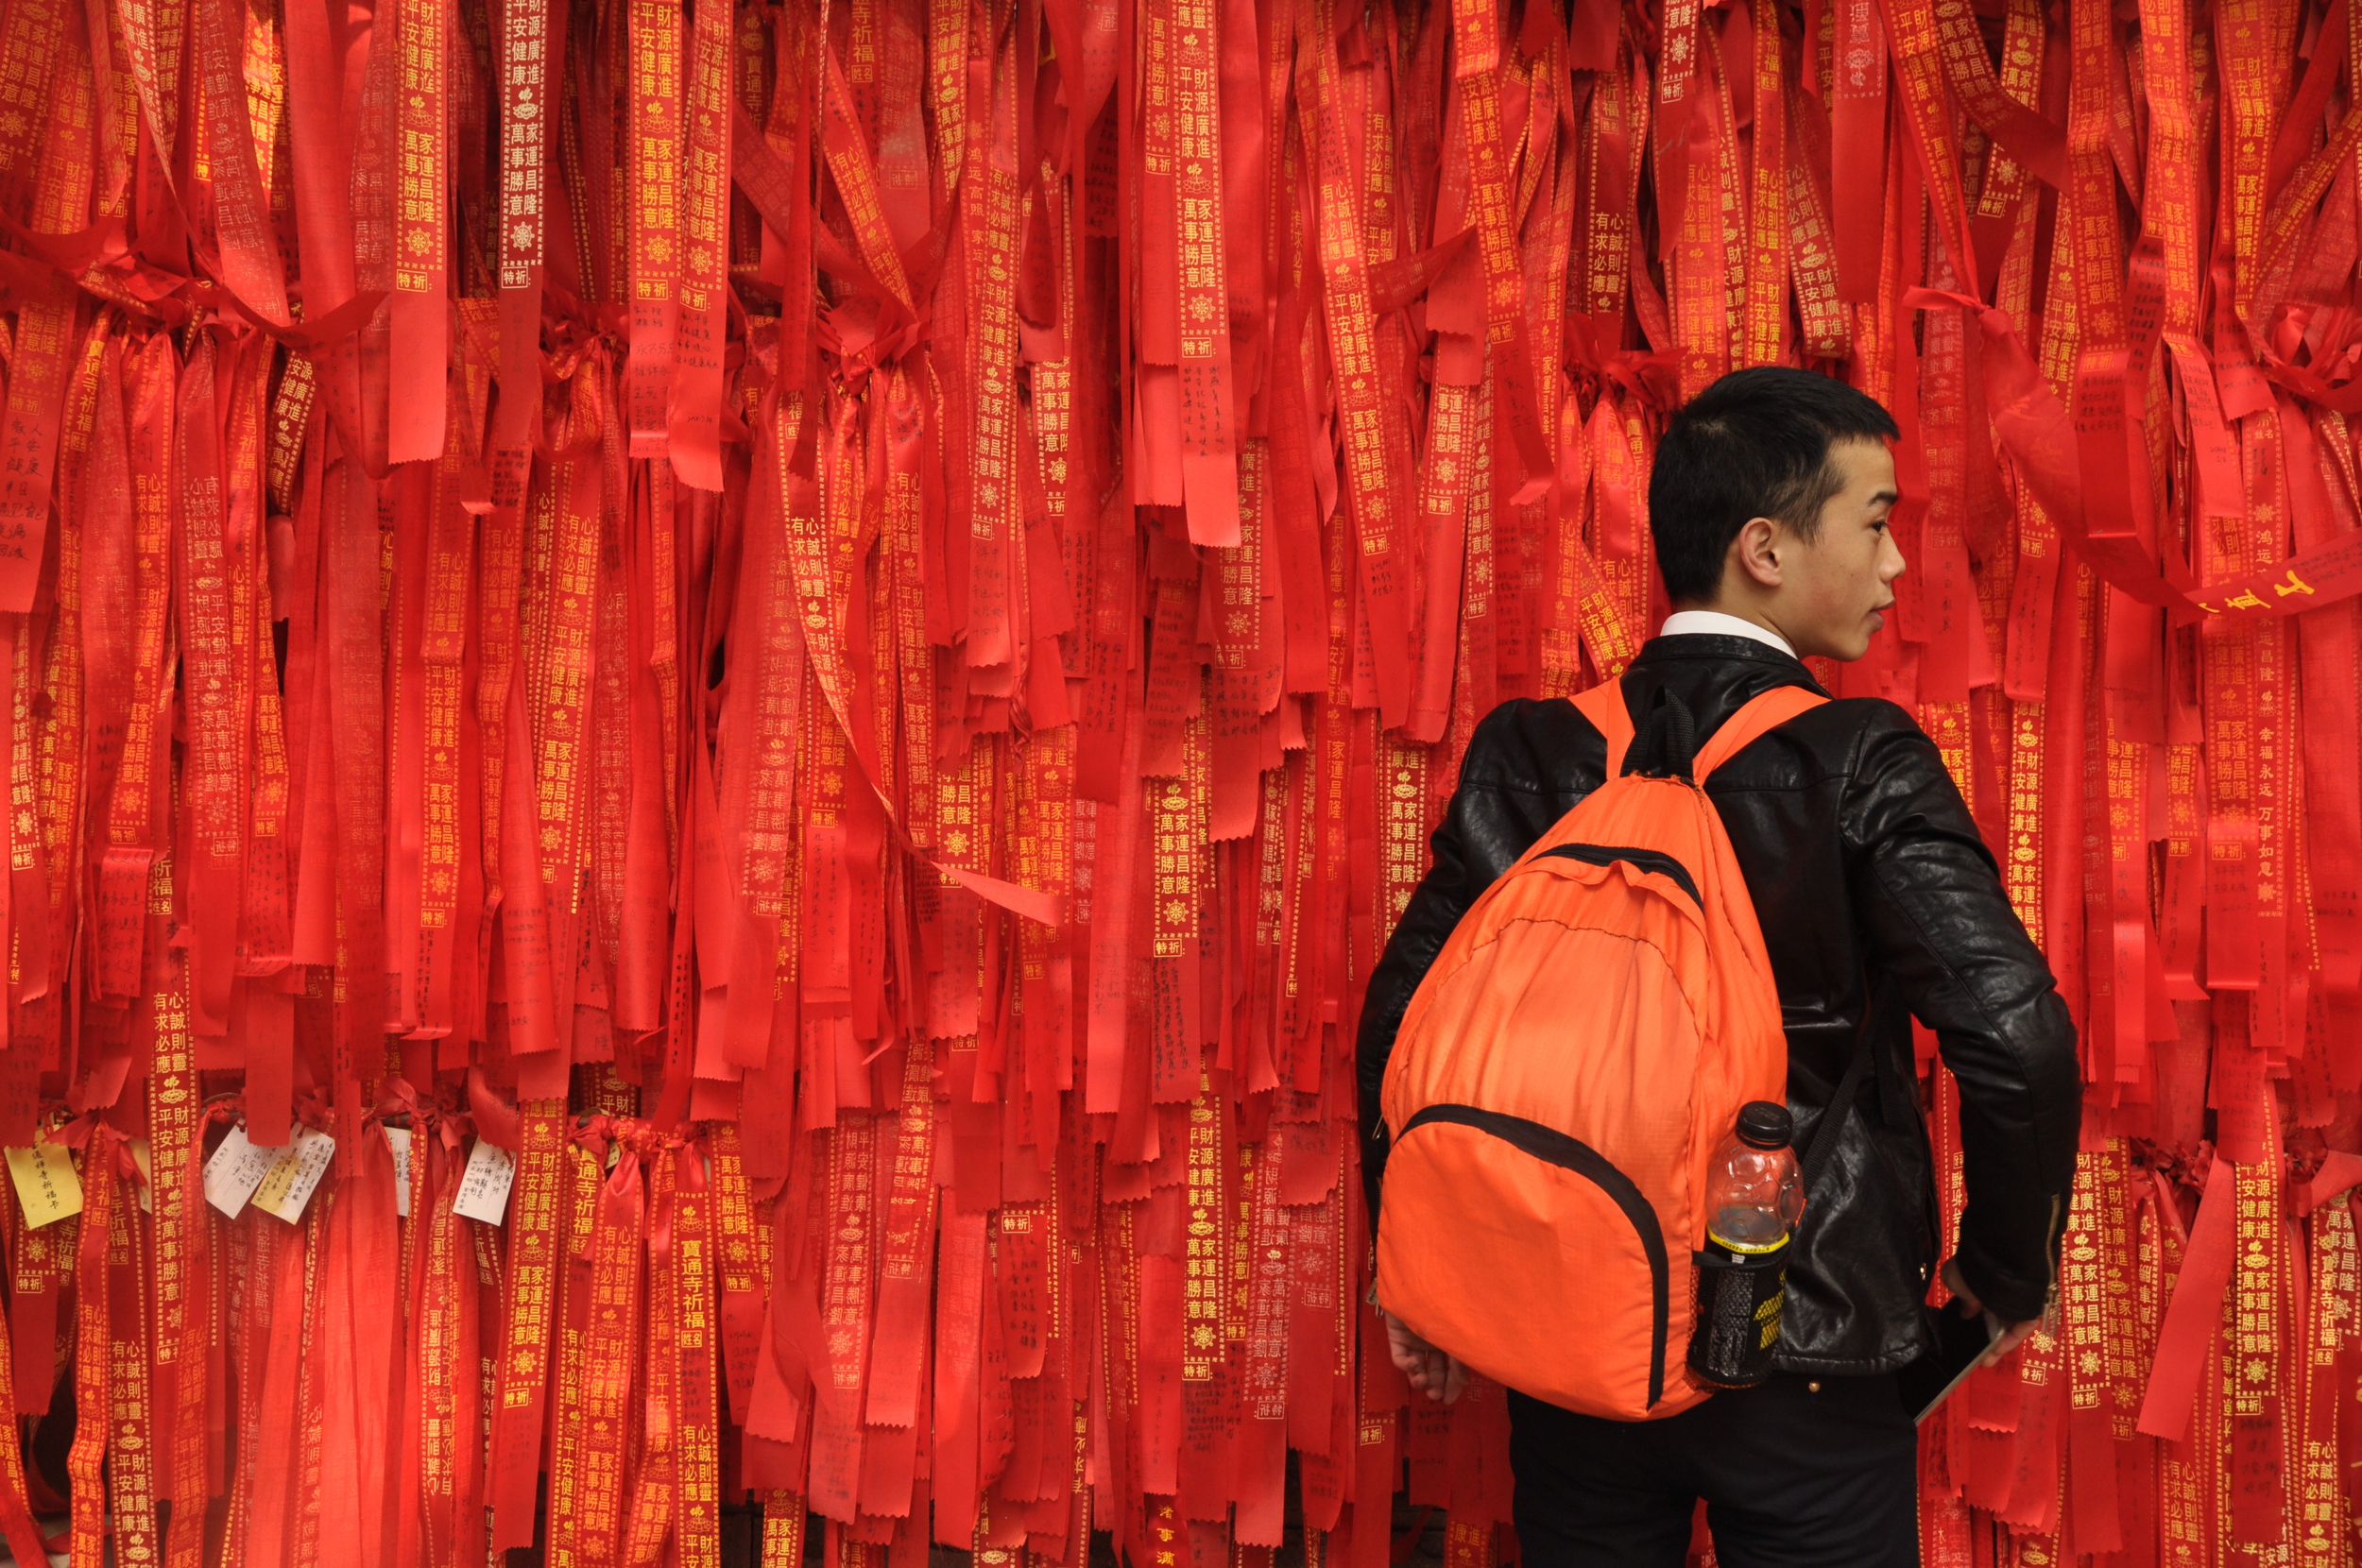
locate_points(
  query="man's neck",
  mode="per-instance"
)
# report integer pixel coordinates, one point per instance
(1718, 623)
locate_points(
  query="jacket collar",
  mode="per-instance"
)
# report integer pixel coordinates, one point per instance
(1661, 656)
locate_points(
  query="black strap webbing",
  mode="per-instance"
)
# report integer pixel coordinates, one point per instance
(1842, 1104)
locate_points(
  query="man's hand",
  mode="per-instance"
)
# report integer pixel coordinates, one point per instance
(2012, 1335)
(1430, 1372)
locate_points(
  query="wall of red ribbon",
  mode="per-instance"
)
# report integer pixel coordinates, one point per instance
(711, 711)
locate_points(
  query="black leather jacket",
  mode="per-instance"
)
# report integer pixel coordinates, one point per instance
(1873, 888)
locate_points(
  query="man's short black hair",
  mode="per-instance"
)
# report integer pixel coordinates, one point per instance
(1755, 444)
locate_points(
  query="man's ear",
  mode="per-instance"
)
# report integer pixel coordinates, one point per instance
(1757, 552)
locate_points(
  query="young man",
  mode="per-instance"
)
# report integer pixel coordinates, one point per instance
(1878, 902)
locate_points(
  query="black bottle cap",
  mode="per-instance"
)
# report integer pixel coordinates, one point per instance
(1765, 1125)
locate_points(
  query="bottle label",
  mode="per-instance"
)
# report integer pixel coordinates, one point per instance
(1737, 1328)
(1745, 1248)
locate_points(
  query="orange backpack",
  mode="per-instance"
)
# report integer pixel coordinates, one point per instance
(1576, 1054)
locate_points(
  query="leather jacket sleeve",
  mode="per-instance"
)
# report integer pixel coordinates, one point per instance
(1937, 921)
(1496, 814)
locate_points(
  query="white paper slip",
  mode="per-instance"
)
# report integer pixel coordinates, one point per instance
(287, 1186)
(236, 1168)
(398, 1139)
(484, 1185)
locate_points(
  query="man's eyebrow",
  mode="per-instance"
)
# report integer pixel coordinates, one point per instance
(1877, 496)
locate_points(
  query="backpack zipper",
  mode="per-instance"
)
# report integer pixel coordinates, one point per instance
(1640, 859)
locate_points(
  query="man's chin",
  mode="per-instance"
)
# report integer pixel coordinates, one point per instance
(1845, 652)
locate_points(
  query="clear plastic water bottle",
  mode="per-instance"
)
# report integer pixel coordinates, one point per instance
(1753, 1193)
(1754, 1198)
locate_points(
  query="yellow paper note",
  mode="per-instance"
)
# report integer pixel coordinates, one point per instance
(288, 1185)
(47, 1182)
(147, 1162)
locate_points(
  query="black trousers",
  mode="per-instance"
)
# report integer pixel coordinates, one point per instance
(1793, 1476)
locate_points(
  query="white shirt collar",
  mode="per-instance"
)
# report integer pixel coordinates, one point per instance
(1714, 623)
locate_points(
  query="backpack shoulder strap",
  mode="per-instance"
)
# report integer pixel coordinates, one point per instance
(1766, 712)
(1603, 705)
